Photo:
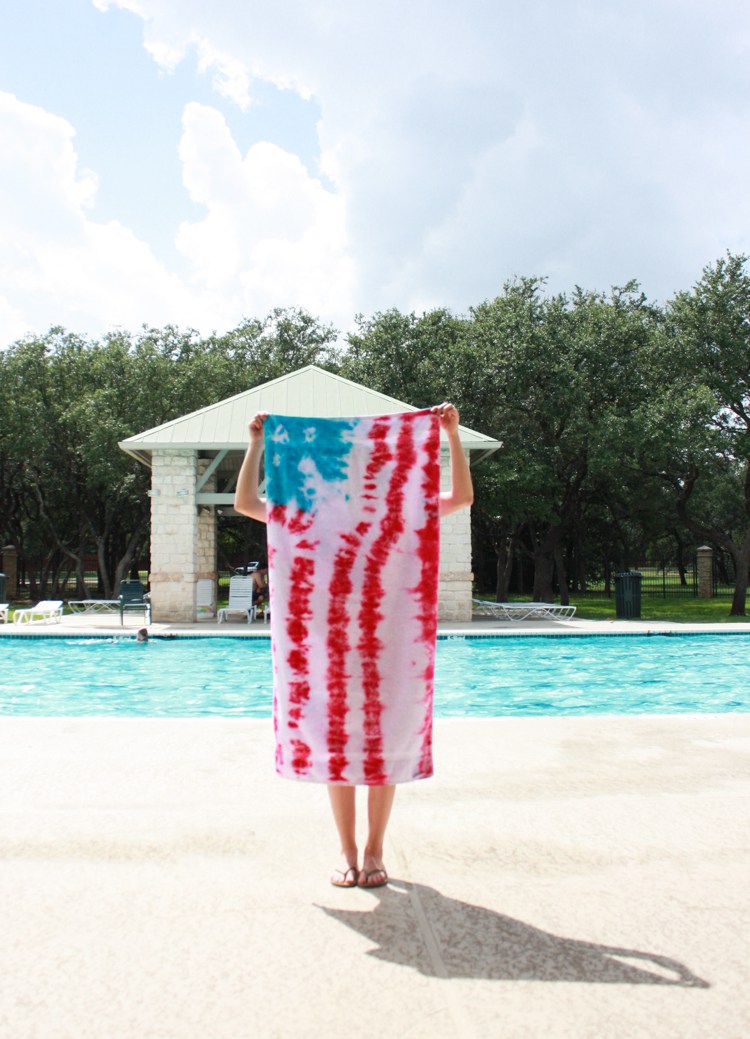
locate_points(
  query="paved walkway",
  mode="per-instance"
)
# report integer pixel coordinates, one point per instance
(569, 877)
(109, 623)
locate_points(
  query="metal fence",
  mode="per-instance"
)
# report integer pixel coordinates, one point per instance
(657, 579)
(66, 586)
(724, 576)
(663, 580)
(667, 580)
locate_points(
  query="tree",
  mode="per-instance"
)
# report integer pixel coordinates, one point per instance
(68, 491)
(697, 433)
(67, 402)
(556, 380)
(403, 356)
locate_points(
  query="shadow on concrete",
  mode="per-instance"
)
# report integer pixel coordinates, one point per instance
(416, 926)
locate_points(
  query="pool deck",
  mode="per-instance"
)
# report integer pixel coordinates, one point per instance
(559, 877)
(90, 624)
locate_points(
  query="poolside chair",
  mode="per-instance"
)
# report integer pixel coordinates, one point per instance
(134, 597)
(240, 599)
(47, 610)
(522, 611)
(3, 612)
(205, 599)
(93, 605)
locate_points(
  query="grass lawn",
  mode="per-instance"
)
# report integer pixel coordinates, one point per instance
(683, 609)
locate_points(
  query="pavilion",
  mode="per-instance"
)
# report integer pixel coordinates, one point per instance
(194, 463)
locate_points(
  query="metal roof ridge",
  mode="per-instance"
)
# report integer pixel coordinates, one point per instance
(220, 403)
(148, 439)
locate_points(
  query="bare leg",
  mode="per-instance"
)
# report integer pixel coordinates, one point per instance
(344, 814)
(379, 804)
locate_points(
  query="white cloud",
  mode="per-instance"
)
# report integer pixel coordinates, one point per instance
(57, 266)
(12, 324)
(459, 145)
(272, 235)
(230, 78)
(468, 143)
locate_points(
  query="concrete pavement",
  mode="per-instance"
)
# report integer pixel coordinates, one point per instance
(559, 877)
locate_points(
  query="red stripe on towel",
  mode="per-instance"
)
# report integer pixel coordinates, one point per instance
(428, 538)
(340, 589)
(301, 578)
(428, 550)
(370, 615)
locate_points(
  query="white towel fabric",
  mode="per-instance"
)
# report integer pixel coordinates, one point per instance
(353, 546)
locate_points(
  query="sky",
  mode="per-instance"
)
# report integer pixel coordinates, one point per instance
(178, 162)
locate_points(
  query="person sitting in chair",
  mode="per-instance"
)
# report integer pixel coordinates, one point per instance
(260, 583)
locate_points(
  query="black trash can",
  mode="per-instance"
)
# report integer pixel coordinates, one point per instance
(628, 595)
(2, 588)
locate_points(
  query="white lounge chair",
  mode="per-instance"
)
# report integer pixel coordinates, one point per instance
(3, 612)
(94, 605)
(240, 599)
(522, 611)
(47, 610)
(205, 599)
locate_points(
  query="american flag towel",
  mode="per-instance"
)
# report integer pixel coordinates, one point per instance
(353, 542)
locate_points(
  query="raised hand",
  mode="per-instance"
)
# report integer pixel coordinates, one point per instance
(449, 417)
(255, 426)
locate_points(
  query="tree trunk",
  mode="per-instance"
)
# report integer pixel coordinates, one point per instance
(544, 568)
(741, 563)
(123, 566)
(740, 554)
(81, 590)
(505, 551)
(738, 598)
(101, 562)
(544, 565)
(562, 578)
(580, 565)
(67, 553)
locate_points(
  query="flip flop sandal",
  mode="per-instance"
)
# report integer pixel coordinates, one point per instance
(345, 878)
(366, 874)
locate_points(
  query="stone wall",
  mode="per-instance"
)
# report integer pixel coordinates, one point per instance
(174, 536)
(205, 556)
(705, 572)
(455, 559)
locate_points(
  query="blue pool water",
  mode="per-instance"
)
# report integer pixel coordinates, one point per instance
(475, 676)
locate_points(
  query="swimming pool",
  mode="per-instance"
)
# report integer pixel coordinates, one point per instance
(476, 676)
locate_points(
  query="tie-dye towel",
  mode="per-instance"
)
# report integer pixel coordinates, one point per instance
(353, 541)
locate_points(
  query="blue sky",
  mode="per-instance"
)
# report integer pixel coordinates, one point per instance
(173, 161)
(91, 68)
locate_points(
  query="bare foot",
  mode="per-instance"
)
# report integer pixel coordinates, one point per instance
(346, 873)
(345, 877)
(373, 872)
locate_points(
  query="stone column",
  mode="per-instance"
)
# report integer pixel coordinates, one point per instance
(174, 536)
(455, 559)
(206, 566)
(10, 569)
(705, 572)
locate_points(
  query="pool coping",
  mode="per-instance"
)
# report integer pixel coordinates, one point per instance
(75, 626)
